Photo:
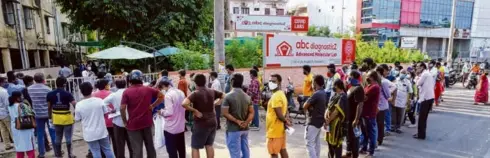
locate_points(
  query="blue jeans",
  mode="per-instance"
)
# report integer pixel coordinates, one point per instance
(369, 132)
(388, 119)
(41, 124)
(102, 144)
(238, 142)
(67, 131)
(256, 121)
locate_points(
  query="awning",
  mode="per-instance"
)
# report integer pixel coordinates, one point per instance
(120, 52)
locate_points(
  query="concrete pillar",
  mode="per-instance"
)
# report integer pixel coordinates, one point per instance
(7, 62)
(444, 46)
(424, 45)
(37, 58)
(46, 58)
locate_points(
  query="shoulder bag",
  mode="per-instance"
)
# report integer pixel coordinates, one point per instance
(24, 122)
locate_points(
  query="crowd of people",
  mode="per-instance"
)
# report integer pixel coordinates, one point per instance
(360, 104)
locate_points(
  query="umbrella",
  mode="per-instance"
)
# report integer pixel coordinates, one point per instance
(167, 51)
(120, 52)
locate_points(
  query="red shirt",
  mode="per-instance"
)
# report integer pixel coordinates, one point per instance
(183, 86)
(372, 93)
(138, 99)
(102, 94)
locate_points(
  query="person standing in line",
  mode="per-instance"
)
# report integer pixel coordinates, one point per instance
(307, 85)
(259, 77)
(120, 133)
(90, 111)
(183, 85)
(426, 99)
(335, 120)
(13, 83)
(367, 65)
(413, 104)
(38, 93)
(4, 116)
(239, 112)
(254, 93)
(173, 114)
(275, 120)
(23, 138)
(230, 71)
(439, 85)
(402, 97)
(136, 103)
(383, 105)
(102, 92)
(59, 101)
(315, 109)
(204, 127)
(355, 98)
(65, 71)
(372, 93)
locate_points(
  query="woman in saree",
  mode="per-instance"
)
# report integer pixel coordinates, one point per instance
(438, 88)
(481, 94)
(335, 120)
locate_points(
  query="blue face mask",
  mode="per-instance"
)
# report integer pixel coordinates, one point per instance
(353, 81)
(403, 76)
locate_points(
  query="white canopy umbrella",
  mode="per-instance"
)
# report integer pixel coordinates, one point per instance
(120, 52)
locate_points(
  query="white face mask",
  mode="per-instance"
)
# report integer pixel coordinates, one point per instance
(273, 86)
(89, 68)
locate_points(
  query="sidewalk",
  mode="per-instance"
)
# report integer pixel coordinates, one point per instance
(77, 136)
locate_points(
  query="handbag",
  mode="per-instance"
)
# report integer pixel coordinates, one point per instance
(24, 122)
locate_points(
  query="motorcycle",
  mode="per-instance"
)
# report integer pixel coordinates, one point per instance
(473, 81)
(455, 77)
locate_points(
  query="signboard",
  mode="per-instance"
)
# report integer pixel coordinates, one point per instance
(281, 50)
(462, 33)
(271, 23)
(409, 42)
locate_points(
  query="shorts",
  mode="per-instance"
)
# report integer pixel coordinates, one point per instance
(275, 145)
(202, 137)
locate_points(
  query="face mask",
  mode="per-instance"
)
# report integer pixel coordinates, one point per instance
(409, 76)
(403, 76)
(89, 68)
(272, 86)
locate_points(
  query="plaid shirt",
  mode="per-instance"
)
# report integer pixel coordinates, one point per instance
(253, 90)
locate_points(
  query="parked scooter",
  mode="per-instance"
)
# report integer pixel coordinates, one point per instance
(473, 81)
(455, 77)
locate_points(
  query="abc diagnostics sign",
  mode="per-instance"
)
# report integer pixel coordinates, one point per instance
(271, 23)
(292, 51)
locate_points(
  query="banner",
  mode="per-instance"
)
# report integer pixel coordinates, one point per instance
(271, 23)
(409, 42)
(282, 50)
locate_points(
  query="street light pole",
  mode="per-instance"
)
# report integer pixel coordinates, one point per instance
(451, 34)
(219, 34)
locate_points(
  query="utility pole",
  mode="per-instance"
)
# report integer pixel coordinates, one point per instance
(342, 19)
(451, 34)
(56, 29)
(20, 35)
(219, 34)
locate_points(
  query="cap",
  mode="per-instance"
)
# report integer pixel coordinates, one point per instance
(165, 79)
(136, 75)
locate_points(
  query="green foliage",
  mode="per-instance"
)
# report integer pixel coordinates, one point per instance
(244, 55)
(323, 31)
(150, 22)
(189, 60)
(340, 35)
(389, 53)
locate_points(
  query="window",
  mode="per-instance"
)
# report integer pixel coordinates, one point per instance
(8, 13)
(236, 10)
(267, 11)
(46, 21)
(28, 17)
(279, 11)
(65, 29)
(256, 9)
(245, 11)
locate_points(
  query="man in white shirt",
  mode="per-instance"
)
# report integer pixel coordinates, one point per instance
(120, 131)
(215, 84)
(90, 111)
(403, 93)
(433, 70)
(174, 114)
(426, 98)
(4, 116)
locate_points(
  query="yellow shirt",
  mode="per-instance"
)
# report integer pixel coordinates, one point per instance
(442, 70)
(307, 85)
(274, 126)
(259, 77)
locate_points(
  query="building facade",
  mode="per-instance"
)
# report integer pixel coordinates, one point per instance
(39, 28)
(338, 15)
(251, 7)
(425, 22)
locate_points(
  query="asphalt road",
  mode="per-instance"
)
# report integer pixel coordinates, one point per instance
(456, 129)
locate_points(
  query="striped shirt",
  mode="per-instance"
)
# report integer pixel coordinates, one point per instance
(38, 93)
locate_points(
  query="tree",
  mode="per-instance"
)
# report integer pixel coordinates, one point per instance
(322, 31)
(150, 22)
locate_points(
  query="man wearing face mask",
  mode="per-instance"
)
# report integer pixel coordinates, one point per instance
(307, 85)
(276, 121)
(331, 77)
(355, 97)
(433, 70)
(315, 109)
(367, 64)
(403, 94)
(384, 97)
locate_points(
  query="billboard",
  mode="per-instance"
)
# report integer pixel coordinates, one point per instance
(292, 51)
(271, 23)
(409, 42)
